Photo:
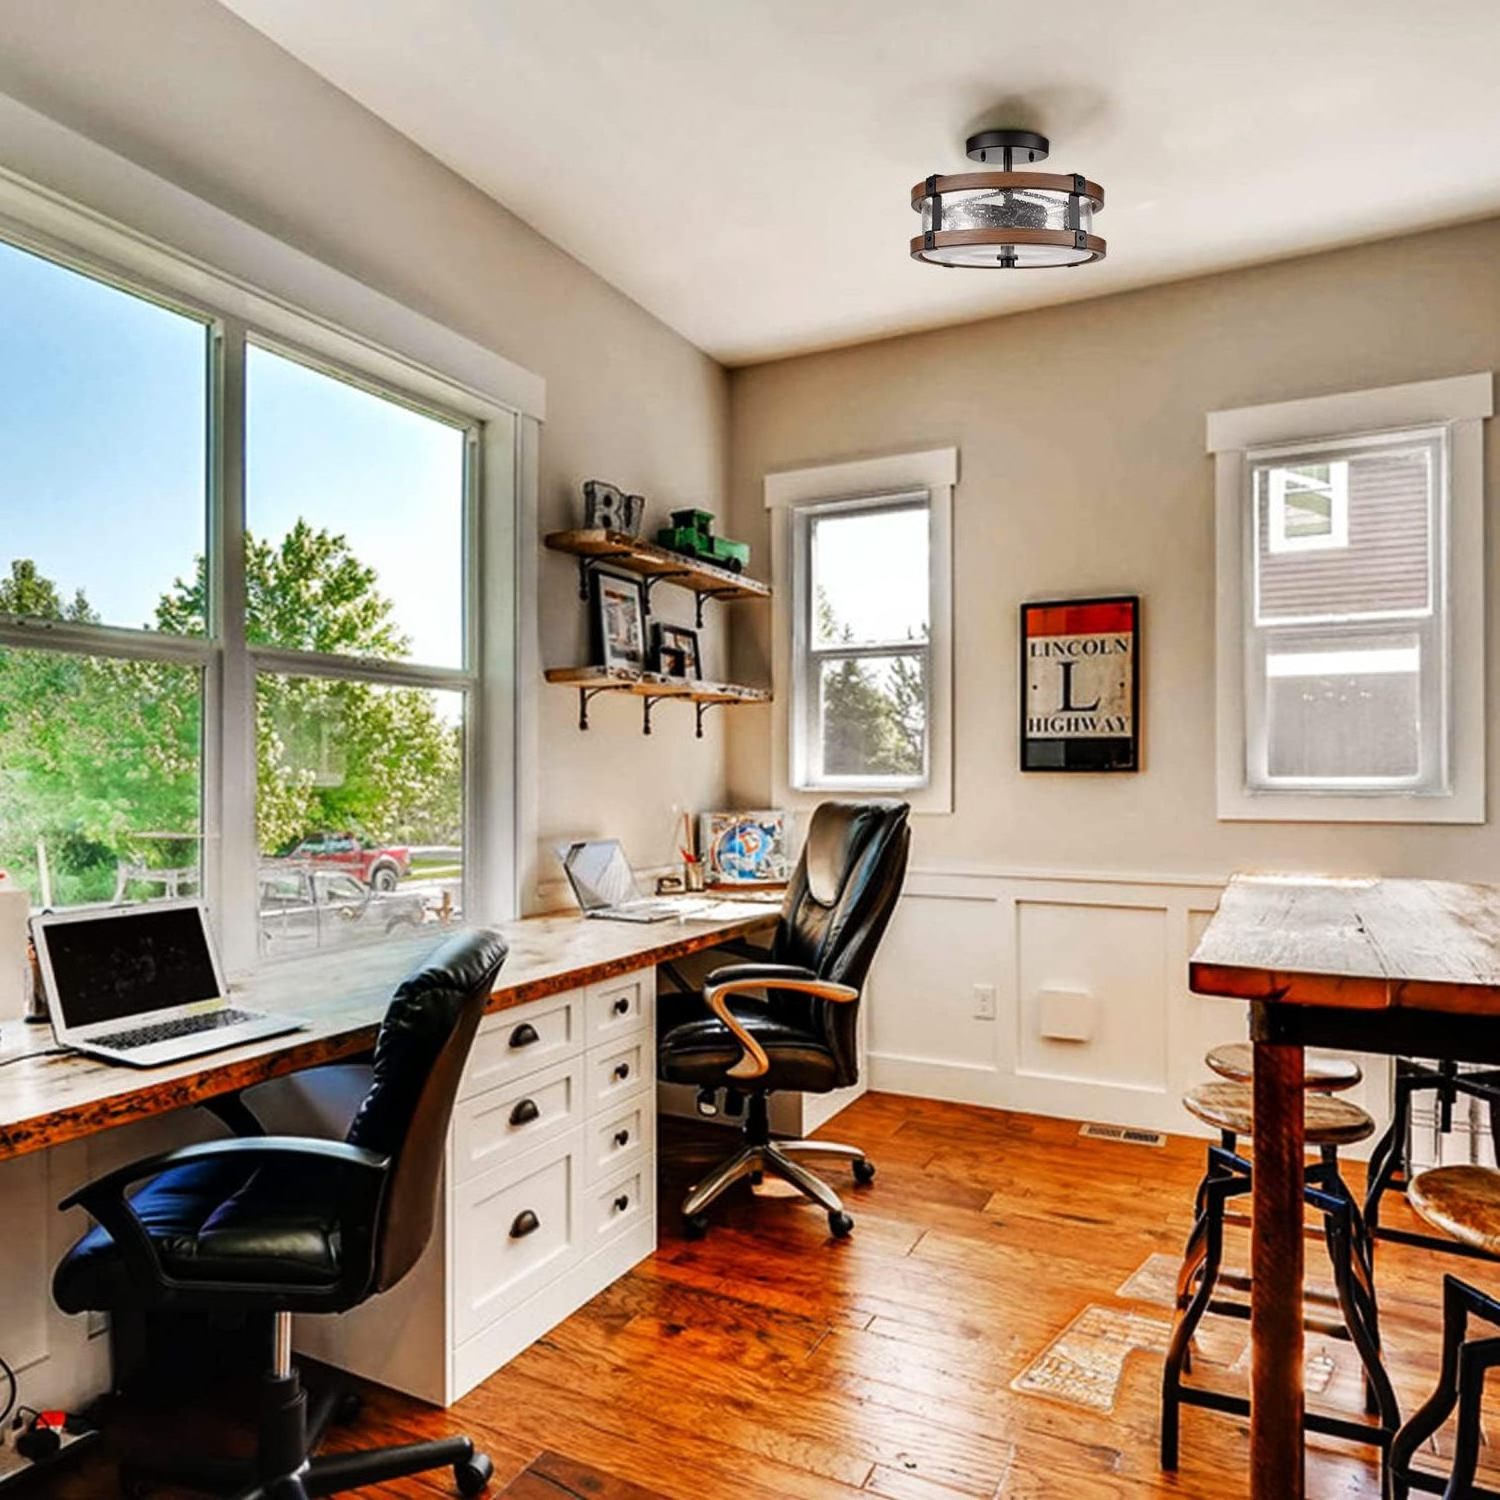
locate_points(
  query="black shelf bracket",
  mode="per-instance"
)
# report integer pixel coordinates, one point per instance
(650, 580)
(699, 595)
(588, 561)
(699, 709)
(648, 702)
(585, 697)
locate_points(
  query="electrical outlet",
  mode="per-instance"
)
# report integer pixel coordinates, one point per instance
(984, 1002)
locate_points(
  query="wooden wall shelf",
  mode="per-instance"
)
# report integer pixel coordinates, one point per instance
(651, 688)
(598, 548)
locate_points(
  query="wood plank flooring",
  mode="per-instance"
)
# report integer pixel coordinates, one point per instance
(770, 1362)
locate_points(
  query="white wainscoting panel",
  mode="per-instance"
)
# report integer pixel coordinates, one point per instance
(1124, 940)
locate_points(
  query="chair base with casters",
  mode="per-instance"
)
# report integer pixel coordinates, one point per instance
(761, 1154)
(1330, 1123)
(1465, 1203)
(286, 1465)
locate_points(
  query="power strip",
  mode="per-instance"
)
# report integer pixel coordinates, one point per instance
(13, 1468)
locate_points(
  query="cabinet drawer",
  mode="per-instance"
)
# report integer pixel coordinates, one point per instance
(514, 1229)
(499, 1124)
(621, 1204)
(520, 1041)
(617, 1137)
(618, 1007)
(616, 1072)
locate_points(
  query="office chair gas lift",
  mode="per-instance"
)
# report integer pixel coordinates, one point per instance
(276, 1224)
(791, 1020)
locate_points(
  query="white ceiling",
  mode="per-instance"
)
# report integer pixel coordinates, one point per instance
(742, 167)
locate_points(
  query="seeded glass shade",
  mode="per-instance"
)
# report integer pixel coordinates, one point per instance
(1010, 220)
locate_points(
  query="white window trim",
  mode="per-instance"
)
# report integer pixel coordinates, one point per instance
(1461, 404)
(323, 316)
(882, 480)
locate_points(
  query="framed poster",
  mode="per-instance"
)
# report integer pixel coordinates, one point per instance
(1080, 685)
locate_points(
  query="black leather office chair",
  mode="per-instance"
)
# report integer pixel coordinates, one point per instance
(284, 1224)
(791, 1021)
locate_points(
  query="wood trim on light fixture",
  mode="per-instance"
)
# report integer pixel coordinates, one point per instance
(1063, 238)
(1049, 182)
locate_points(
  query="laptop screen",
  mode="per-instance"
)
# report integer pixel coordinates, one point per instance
(122, 964)
(600, 874)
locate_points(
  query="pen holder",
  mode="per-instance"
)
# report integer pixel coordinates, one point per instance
(692, 876)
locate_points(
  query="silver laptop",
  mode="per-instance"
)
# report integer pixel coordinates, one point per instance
(604, 884)
(141, 984)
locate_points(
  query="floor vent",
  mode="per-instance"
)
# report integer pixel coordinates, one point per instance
(1126, 1134)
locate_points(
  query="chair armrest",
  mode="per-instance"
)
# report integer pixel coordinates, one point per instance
(738, 979)
(105, 1198)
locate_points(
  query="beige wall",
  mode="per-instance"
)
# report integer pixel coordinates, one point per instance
(1082, 468)
(189, 91)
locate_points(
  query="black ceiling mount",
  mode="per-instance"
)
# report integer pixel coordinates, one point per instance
(1008, 149)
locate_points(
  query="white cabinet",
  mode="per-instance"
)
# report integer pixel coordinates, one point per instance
(548, 1195)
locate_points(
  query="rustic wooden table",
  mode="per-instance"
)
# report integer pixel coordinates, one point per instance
(1401, 967)
(47, 1099)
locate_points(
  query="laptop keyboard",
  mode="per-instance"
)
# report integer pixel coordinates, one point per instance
(166, 1031)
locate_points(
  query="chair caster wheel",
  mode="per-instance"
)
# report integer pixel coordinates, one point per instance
(473, 1474)
(347, 1409)
(694, 1226)
(864, 1171)
(839, 1226)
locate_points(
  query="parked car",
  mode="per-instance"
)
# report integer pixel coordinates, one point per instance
(379, 866)
(312, 908)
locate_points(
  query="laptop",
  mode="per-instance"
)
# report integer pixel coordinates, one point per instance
(141, 985)
(604, 884)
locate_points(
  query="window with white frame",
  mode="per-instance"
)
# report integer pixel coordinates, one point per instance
(861, 701)
(1351, 603)
(227, 563)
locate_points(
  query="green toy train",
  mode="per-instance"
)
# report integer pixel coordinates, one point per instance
(692, 533)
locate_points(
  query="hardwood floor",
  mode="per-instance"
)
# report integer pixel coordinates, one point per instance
(771, 1361)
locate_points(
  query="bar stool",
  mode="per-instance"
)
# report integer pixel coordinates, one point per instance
(1463, 1202)
(1323, 1072)
(1329, 1122)
(1390, 1167)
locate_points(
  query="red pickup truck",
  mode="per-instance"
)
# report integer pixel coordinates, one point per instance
(379, 866)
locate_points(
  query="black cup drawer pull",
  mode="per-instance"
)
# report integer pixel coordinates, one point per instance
(526, 1223)
(622, 1071)
(622, 1203)
(525, 1112)
(524, 1035)
(622, 1005)
(622, 1138)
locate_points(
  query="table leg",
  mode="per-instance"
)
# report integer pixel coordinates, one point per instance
(1276, 1397)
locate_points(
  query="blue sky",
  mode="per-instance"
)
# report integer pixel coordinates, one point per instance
(103, 452)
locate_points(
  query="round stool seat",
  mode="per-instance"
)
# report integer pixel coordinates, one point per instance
(1326, 1120)
(1324, 1072)
(1461, 1201)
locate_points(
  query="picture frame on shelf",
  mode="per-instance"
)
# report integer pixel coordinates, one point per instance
(1080, 684)
(674, 651)
(617, 619)
(745, 848)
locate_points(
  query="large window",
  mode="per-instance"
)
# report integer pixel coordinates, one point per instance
(1351, 639)
(239, 618)
(1347, 677)
(863, 600)
(863, 629)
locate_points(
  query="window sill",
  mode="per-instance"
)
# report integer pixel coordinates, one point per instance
(1246, 806)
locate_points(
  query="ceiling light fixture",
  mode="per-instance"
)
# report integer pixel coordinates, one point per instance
(1008, 219)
